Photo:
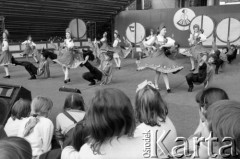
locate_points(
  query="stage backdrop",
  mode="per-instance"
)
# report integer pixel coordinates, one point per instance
(222, 20)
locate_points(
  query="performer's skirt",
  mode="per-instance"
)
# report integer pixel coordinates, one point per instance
(5, 58)
(159, 62)
(69, 58)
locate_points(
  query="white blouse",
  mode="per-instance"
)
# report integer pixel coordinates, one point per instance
(41, 137)
(118, 148)
(166, 127)
(31, 43)
(4, 45)
(69, 153)
(69, 43)
(12, 126)
(116, 42)
(64, 124)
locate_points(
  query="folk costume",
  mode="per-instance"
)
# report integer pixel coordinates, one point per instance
(159, 62)
(6, 56)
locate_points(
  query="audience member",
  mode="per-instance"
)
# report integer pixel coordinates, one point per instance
(38, 129)
(73, 112)
(111, 124)
(224, 118)
(79, 138)
(151, 112)
(15, 148)
(205, 99)
(20, 111)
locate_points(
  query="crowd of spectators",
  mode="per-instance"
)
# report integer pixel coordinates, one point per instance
(111, 128)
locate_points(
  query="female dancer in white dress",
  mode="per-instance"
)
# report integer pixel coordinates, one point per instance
(195, 41)
(67, 57)
(159, 62)
(117, 49)
(6, 56)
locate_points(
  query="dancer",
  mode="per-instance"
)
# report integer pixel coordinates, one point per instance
(67, 58)
(195, 42)
(104, 74)
(30, 48)
(42, 69)
(159, 62)
(204, 74)
(5, 58)
(148, 43)
(117, 49)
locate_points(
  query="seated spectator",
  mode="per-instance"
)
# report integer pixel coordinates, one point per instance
(42, 69)
(3, 112)
(20, 111)
(15, 148)
(205, 99)
(220, 58)
(79, 138)
(151, 112)
(73, 112)
(224, 118)
(232, 52)
(38, 129)
(202, 76)
(111, 125)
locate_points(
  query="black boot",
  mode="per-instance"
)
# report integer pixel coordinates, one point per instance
(32, 77)
(190, 89)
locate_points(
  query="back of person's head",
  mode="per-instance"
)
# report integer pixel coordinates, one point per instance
(41, 106)
(80, 135)
(110, 115)
(211, 95)
(21, 109)
(74, 101)
(15, 148)
(4, 107)
(150, 107)
(224, 118)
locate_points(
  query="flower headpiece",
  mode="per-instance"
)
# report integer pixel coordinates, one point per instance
(144, 84)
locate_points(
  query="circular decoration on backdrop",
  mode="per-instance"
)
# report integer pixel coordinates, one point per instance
(135, 32)
(228, 28)
(183, 18)
(205, 22)
(78, 28)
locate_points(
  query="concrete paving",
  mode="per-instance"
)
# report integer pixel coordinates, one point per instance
(183, 109)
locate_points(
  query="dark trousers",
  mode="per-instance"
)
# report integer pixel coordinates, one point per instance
(92, 76)
(219, 63)
(30, 68)
(194, 78)
(231, 57)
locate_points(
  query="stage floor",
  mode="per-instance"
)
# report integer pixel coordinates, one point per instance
(183, 110)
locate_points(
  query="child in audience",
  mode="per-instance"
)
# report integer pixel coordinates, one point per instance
(205, 99)
(231, 53)
(19, 112)
(15, 148)
(79, 138)
(73, 112)
(151, 112)
(223, 120)
(38, 129)
(111, 124)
